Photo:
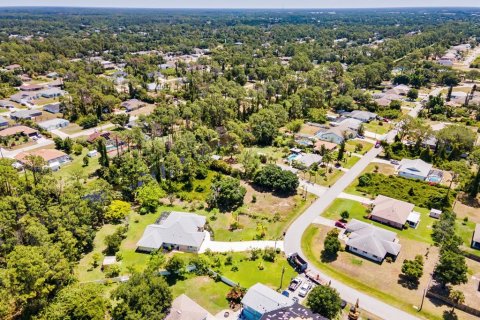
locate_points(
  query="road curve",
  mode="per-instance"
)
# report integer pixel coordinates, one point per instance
(293, 243)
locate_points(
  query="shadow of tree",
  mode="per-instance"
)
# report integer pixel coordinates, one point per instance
(408, 283)
(327, 257)
(449, 315)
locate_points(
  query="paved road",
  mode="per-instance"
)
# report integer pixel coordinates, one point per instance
(293, 239)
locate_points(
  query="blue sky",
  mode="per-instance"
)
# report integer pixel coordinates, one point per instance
(243, 3)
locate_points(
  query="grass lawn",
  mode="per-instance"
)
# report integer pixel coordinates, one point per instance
(377, 127)
(84, 270)
(76, 165)
(383, 168)
(466, 230)
(325, 179)
(350, 161)
(379, 280)
(71, 128)
(43, 101)
(205, 291)
(351, 145)
(273, 152)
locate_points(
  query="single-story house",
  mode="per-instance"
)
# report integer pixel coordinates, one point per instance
(348, 123)
(3, 122)
(23, 130)
(53, 107)
(107, 65)
(336, 134)
(392, 212)
(55, 83)
(52, 75)
(133, 104)
(414, 169)
(295, 312)
(13, 67)
(174, 231)
(383, 102)
(31, 87)
(476, 237)
(260, 300)
(307, 159)
(435, 213)
(364, 116)
(330, 146)
(52, 93)
(53, 124)
(184, 308)
(400, 89)
(24, 97)
(108, 261)
(6, 104)
(54, 159)
(445, 62)
(370, 241)
(25, 114)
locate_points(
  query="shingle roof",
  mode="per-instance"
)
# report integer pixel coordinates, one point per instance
(391, 209)
(297, 311)
(179, 228)
(416, 167)
(372, 239)
(263, 299)
(45, 154)
(17, 129)
(184, 308)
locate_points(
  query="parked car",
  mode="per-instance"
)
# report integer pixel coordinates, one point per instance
(395, 162)
(286, 293)
(296, 282)
(377, 144)
(340, 224)
(343, 304)
(304, 289)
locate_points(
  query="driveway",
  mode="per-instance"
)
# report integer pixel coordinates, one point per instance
(82, 133)
(293, 242)
(238, 246)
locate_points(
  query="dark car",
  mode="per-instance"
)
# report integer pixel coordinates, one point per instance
(377, 144)
(296, 282)
(343, 304)
(340, 224)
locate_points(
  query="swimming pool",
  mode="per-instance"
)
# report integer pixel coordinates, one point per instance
(434, 179)
(293, 157)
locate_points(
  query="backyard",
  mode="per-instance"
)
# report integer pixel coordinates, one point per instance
(380, 280)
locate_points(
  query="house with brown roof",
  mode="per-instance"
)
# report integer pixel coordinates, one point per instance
(31, 87)
(476, 237)
(54, 159)
(18, 130)
(393, 212)
(184, 308)
(330, 146)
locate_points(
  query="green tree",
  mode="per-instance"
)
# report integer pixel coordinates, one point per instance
(274, 178)
(341, 151)
(412, 94)
(121, 119)
(457, 297)
(80, 301)
(226, 193)
(331, 245)
(264, 126)
(451, 268)
(412, 270)
(117, 211)
(143, 296)
(175, 265)
(324, 300)
(149, 195)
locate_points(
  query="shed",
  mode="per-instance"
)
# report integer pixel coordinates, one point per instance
(108, 261)
(413, 219)
(435, 213)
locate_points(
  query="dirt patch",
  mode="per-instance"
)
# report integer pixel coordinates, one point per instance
(466, 207)
(309, 130)
(145, 110)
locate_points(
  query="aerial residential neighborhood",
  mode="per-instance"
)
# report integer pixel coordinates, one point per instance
(250, 161)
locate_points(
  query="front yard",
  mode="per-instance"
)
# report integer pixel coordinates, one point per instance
(380, 280)
(378, 127)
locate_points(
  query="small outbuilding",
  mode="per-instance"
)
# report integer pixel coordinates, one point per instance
(435, 213)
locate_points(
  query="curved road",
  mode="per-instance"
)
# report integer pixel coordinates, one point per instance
(293, 243)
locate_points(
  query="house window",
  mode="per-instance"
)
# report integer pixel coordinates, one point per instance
(375, 256)
(365, 252)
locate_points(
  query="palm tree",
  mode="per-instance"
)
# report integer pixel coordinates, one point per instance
(457, 297)
(327, 158)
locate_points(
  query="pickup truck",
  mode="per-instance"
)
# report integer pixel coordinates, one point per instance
(296, 282)
(297, 262)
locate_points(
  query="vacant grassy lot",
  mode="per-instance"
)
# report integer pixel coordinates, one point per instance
(325, 178)
(71, 128)
(69, 170)
(351, 146)
(377, 127)
(382, 168)
(272, 152)
(379, 280)
(417, 192)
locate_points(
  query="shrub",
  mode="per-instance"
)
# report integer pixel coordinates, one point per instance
(274, 178)
(269, 254)
(112, 271)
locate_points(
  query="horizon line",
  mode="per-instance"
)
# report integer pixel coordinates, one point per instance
(238, 8)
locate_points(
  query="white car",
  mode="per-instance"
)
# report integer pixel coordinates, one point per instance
(304, 289)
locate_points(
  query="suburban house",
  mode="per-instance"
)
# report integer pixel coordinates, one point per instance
(307, 159)
(96, 135)
(13, 67)
(3, 122)
(52, 93)
(184, 308)
(371, 242)
(54, 159)
(476, 237)
(414, 169)
(400, 90)
(25, 114)
(19, 130)
(295, 312)
(133, 104)
(53, 107)
(6, 104)
(319, 145)
(24, 97)
(350, 124)
(53, 124)
(31, 87)
(260, 300)
(338, 133)
(394, 212)
(364, 116)
(174, 231)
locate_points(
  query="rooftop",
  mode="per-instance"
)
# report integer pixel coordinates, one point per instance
(263, 299)
(416, 167)
(296, 311)
(184, 308)
(17, 129)
(45, 154)
(392, 209)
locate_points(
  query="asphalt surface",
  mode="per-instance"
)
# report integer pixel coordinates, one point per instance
(293, 243)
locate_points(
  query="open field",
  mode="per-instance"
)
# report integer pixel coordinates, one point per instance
(377, 127)
(75, 167)
(380, 280)
(350, 146)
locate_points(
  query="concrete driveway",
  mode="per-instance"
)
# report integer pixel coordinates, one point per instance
(237, 246)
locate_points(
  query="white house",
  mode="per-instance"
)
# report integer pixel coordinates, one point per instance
(174, 231)
(53, 124)
(414, 169)
(54, 159)
(364, 116)
(260, 299)
(371, 242)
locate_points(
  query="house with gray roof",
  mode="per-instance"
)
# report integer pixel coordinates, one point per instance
(6, 104)
(184, 308)
(370, 241)
(260, 300)
(25, 114)
(307, 159)
(364, 116)
(53, 124)
(3, 122)
(174, 231)
(53, 107)
(414, 169)
(295, 312)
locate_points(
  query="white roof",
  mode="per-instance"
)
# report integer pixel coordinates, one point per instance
(179, 228)
(52, 122)
(414, 217)
(109, 260)
(350, 123)
(310, 158)
(263, 299)
(372, 239)
(416, 167)
(360, 114)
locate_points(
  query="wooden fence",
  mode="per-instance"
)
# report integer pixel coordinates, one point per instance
(462, 307)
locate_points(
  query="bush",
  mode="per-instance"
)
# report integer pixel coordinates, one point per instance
(269, 254)
(112, 271)
(221, 166)
(226, 194)
(88, 121)
(274, 178)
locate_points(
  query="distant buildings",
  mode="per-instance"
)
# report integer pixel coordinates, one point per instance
(25, 114)
(53, 159)
(53, 124)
